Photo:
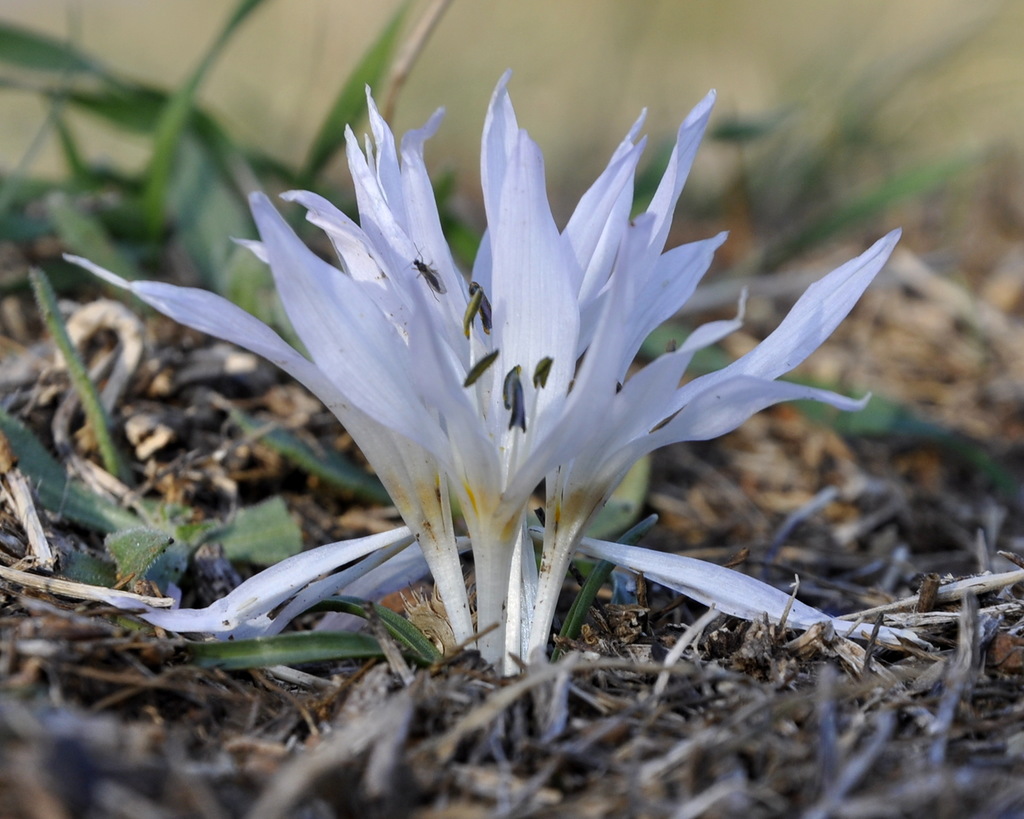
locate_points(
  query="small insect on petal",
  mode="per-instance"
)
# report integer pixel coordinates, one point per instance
(512, 393)
(542, 371)
(476, 298)
(479, 368)
(430, 276)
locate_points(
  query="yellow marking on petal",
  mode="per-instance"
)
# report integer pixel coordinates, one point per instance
(509, 530)
(472, 499)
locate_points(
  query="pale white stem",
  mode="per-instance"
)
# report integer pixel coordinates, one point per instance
(528, 595)
(514, 606)
(492, 558)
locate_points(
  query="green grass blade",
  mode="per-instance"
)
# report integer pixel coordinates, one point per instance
(57, 493)
(857, 210)
(28, 49)
(174, 119)
(350, 103)
(408, 636)
(84, 235)
(207, 212)
(46, 299)
(625, 503)
(285, 649)
(598, 576)
(883, 417)
(577, 615)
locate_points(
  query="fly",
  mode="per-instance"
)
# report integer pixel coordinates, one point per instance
(512, 393)
(430, 276)
(479, 368)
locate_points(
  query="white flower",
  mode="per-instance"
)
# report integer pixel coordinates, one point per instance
(489, 385)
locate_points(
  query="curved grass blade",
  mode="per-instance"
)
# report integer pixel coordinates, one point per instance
(892, 190)
(350, 103)
(46, 299)
(328, 466)
(175, 117)
(28, 49)
(84, 235)
(294, 648)
(598, 576)
(624, 506)
(405, 633)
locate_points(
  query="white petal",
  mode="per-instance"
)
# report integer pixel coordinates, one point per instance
(812, 319)
(687, 141)
(343, 330)
(499, 137)
(535, 311)
(249, 605)
(596, 226)
(730, 591)
(723, 407)
(215, 315)
(670, 283)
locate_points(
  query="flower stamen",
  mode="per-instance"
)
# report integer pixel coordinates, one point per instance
(512, 394)
(542, 371)
(478, 303)
(480, 368)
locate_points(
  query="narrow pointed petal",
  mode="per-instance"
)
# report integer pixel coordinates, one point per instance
(343, 330)
(673, 280)
(812, 319)
(728, 404)
(595, 228)
(536, 314)
(247, 609)
(500, 134)
(688, 140)
(732, 592)
(215, 315)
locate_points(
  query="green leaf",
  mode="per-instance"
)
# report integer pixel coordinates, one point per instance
(598, 576)
(883, 417)
(625, 504)
(132, 108)
(28, 49)
(207, 214)
(83, 567)
(84, 235)
(58, 494)
(248, 282)
(740, 129)
(137, 551)
(350, 103)
(174, 119)
(285, 649)
(328, 465)
(263, 534)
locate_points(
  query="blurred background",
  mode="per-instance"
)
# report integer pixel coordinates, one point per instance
(855, 92)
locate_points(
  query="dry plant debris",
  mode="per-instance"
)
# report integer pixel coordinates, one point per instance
(657, 710)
